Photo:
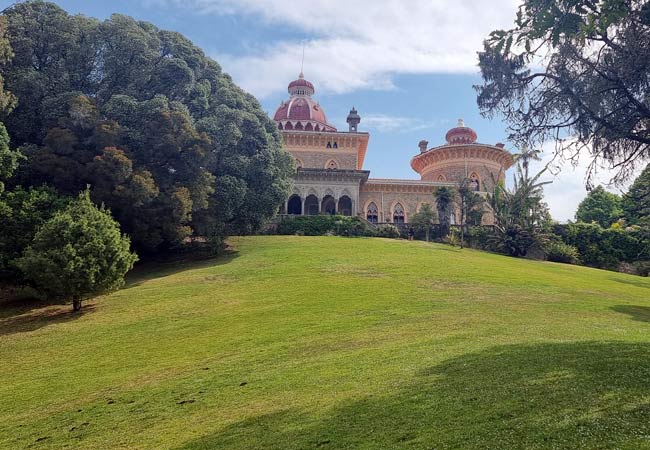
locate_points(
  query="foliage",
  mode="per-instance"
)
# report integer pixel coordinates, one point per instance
(424, 219)
(574, 68)
(599, 206)
(521, 218)
(525, 156)
(445, 201)
(472, 205)
(163, 136)
(321, 225)
(497, 352)
(558, 251)
(77, 253)
(636, 201)
(388, 231)
(606, 247)
(8, 158)
(22, 213)
(479, 237)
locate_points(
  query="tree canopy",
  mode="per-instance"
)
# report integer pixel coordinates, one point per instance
(78, 252)
(601, 207)
(574, 72)
(165, 139)
(636, 201)
(424, 219)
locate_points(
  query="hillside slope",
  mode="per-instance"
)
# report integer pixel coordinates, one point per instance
(326, 342)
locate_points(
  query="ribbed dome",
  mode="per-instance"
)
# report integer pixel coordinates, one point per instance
(461, 134)
(301, 112)
(301, 86)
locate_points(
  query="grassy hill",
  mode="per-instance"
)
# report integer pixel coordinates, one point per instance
(330, 343)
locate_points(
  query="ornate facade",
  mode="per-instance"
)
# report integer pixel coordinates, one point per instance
(330, 177)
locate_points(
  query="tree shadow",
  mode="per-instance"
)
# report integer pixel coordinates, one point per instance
(639, 313)
(639, 281)
(568, 395)
(152, 269)
(34, 315)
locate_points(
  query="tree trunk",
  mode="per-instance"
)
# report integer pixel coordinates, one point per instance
(76, 303)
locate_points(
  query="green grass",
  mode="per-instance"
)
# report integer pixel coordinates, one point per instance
(330, 343)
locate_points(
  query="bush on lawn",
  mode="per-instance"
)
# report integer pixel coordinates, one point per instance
(322, 225)
(560, 252)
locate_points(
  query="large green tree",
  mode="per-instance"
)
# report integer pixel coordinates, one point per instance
(574, 72)
(636, 201)
(78, 253)
(165, 139)
(600, 206)
(8, 157)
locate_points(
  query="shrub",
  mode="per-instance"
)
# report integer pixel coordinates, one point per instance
(77, 253)
(388, 231)
(479, 237)
(22, 213)
(604, 248)
(642, 268)
(322, 225)
(560, 252)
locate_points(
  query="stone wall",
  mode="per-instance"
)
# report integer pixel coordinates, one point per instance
(320, 159)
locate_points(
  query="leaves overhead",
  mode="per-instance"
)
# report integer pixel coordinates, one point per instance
(574, 72)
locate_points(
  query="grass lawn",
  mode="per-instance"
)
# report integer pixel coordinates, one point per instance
(330, 343)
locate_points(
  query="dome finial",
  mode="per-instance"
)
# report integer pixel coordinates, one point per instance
(302, 62)
(461, 123)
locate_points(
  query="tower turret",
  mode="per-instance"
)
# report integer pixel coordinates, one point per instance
(353, 120)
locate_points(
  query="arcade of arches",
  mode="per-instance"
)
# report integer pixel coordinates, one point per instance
(330, 178)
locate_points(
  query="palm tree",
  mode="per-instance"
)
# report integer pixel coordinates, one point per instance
(525, 156)
(519, 213)
(444, 204)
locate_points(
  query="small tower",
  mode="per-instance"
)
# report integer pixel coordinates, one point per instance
(423, 145)
(353, 120)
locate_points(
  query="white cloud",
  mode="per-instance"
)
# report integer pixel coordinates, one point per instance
(360, 44)
(392, 124)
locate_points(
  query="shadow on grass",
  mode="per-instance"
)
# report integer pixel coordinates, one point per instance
(575, 395)
(153, 269)
(639, 313)
(638, 281)
(22, 314)
(34, 315)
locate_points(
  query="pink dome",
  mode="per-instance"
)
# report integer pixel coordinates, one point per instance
(301, 112)
(461, 134)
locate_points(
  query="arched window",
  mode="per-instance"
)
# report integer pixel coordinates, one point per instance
(474, 182)
(280, 126)
(398, 214)
(294, 205)
(441, 178)
(336, 145)
(331, 165)
(329, 145)
(298, 164)
(299, 126)
(345, 206)
(372, 213)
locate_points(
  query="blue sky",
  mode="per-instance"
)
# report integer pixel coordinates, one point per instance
(408, 67)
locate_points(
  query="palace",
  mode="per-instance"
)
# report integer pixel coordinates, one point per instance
(331, 179)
